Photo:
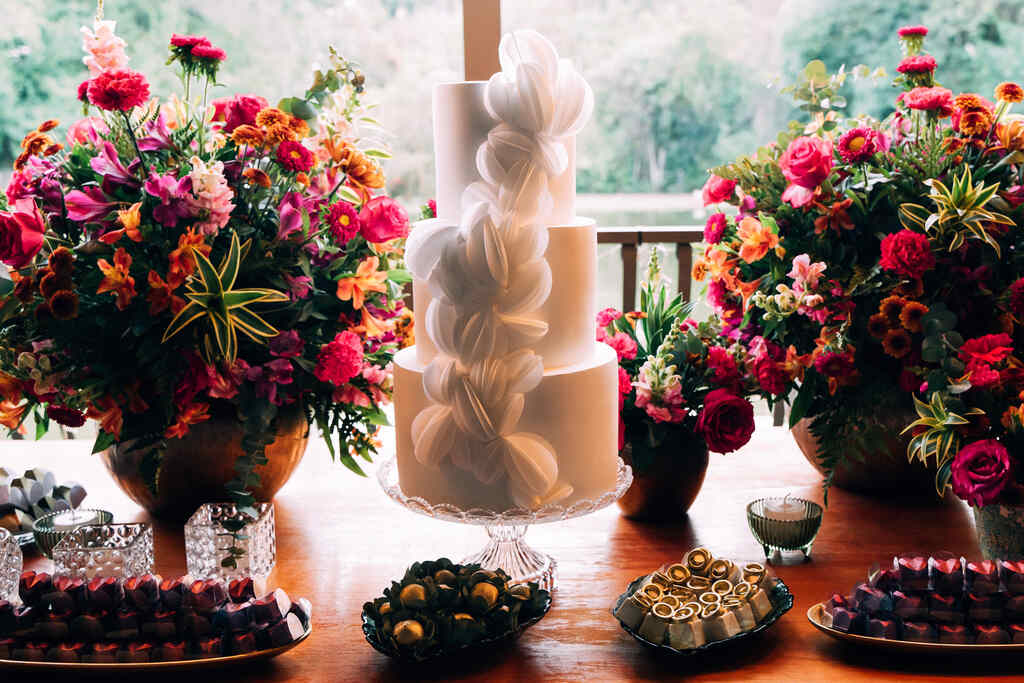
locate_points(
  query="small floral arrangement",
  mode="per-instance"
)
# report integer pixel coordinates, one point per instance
(681, 384)
(179, 260)
(885, 258)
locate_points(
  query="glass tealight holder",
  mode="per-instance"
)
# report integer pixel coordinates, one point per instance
(207, 542)
(796, 532)
(10, 565)
(118, 550)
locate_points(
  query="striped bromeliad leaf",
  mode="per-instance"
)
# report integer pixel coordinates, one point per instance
(213, 299)
(959, 214)
(939, 437)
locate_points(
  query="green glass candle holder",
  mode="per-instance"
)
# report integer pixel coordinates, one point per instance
(784, 534)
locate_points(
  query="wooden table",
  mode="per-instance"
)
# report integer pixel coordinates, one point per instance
(341, 540)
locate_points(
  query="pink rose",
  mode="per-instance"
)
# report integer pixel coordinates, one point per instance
(980, 472)
(807, 161)
(726, 422)
(87, 131)
(717, 190)
(21, 234)
(383, 219)
(242, 109)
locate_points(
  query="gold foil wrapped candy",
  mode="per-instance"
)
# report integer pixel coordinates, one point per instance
(698, 561)
(683, 593)
(655, 624)
(660, 580)
(698, 584)
(721, 569)
(653, 591)
(722, 587)
(741, 608)
(677, 573)
(742, 590)
(408, 632)
(709, 598)
(753, 573)
(670, 600)
(632, 610)
(686, 631)
(720, 624)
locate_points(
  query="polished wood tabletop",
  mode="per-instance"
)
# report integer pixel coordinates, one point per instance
(341, 540)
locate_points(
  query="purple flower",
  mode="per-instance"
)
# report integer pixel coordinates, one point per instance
(158, 136)
(298, 286)
(286, 345)
(171, 192)
(89, 205)
(109, 165)
(268, 376)
(291, 208)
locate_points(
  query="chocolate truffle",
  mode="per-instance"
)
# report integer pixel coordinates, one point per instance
(135, 653)
(984, 607)
(1013, 576)
(32, 587)
(1016, 633)
(991, 634)
(887, 580)
(271, 608)
(88, 628)
(871, 600)
(102, 653)
(883, 628)
(205, 596)
(170, 651)
(30, 652)
(1013, 608)
(241, 643)
(242, 590)
(172, 593)
(919, 632)
(52, 628)
(160, 626)
(143, 592)
(6, 645)
(913, 571)
(982, 578)
(104, 592)
(955, 634)
(123, 625)
(212, 646)
(232, 616)
(945, 609)
(947, 575)
(909, 607)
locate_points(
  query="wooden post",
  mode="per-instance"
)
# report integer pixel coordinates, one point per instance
(684, 253)
(481, 33)
(629, 256)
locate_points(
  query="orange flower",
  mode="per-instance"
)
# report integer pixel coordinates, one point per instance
(835, 218)
(967, 100)
(1013, 418)
(10, 388)
(747, 289)
(256, 176)
(975, 122)
(182, 262)
(896, 343)
(794, 364)
(161, 295)
(1009, 92)
(366, 279)
(50, 124)
(721, 267)
(757, 239)
(11, 414)
(699, 270)
(271, 117)
(299, 127)
(302, 179)
(129, 219)
(193, 414)
(891, 307)
(1010, 133)
(116, 278)
(371, 326)
(248, 136)
(911, 315)
(109, 415)
(64, 305)
(878, 325)
(910, 289)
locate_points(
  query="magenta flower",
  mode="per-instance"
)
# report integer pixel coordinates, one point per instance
(299, 286)
(158, 136)
(286, 345)
(291, 208)
(269, 376)
(89, 205)
(109, 165)
(171, 192)
(980, 472)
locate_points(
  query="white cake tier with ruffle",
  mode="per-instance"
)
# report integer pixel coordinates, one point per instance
(569, 310)
(461, 125)
(574, 408)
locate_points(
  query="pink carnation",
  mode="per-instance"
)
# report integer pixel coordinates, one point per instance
(624, 345)
(912, 31)
(607, 316)
(936, 99)
(714, 228)
(340, 360)
(917, 64)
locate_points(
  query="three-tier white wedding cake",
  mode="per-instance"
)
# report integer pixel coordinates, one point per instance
(507, 400)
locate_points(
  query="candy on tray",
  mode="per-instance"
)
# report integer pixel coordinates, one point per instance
(1012, 573)
(982, 578)
(991, 634)
(884, 628)
(1016, 633)
(655, 624)
(913, 571)
(984, 608)
(955, 634)
(919, 632)
(946, 609)
(947, 573)
(909, 607)
(632, 610)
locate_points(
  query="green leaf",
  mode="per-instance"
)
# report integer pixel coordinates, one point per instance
(379, 153)
(348, 461)
(103, 441)
(350, 195)
(229, 269)
(400, 275)
(42, 426)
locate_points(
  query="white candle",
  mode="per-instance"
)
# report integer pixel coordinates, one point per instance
(69, 520)
(784, 509)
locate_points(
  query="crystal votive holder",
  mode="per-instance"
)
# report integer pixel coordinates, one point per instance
(51, 527)
(784, 534)
(10, 565)
(207, 542)
(118, 550)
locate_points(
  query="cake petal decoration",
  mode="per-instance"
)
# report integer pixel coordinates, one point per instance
(489, 278)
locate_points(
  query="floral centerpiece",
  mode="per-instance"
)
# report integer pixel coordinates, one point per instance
(179, 260)
(681, 394)
(870, 261)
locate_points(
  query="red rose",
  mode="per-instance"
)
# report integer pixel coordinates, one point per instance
(726, 421)
(717, 190)
(21, 234)
(238, 110)
(807, 161)
(382, 219)
(907, 253)
(120, 90)
(980, 472)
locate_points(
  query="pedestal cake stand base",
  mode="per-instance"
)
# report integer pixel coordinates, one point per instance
(506, 548)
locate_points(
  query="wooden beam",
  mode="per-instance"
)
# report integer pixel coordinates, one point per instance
(628, 277)
(684, 254)
(481, 33)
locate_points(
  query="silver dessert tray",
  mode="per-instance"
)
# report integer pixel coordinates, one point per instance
(506, 548)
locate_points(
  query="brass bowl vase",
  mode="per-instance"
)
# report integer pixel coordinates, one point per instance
(195, 468)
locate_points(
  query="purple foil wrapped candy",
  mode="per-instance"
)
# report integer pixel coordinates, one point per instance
(913, 569)
(991, 634)
(884, 628)
(947, 574)
(955, 634)
(870, 599)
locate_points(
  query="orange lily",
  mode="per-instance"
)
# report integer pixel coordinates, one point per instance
(366, 279)
(11, 414)
(747, 289)
(757, 239)
(371, 326)
(183, 263)
(10, 388)
(116, 278)
(129, 219)
(109, 415)
(193, 414)
(161, 295)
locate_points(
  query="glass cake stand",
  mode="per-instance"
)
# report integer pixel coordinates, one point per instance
(506, 548)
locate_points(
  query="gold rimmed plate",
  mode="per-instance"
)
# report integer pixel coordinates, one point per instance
(182, 665)
(816, 615)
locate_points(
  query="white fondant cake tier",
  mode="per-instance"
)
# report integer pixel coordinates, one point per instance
(570, 308)
(461, 125)
(574, 408)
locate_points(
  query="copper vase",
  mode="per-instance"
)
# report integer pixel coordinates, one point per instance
(884, 471)
(665, 489)
(196, 468)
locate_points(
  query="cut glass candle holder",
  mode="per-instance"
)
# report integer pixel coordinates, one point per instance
(207, 542)
(10, 565)
(784, 534)
(118, 550)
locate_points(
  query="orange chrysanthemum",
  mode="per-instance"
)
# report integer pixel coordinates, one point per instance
(272, 117)
(896, 343)
(256, 176)
(361, 169)
(64, 305)
(248, 136)
(911, 315)
(891, 307)
(299, 127)
(62, 261)
(878, 325)
(1009, 92)
(699, 270)
(968, 100)
(975, 122)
